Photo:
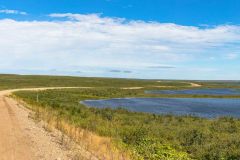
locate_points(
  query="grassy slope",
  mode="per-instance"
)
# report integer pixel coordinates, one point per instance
(144, 133)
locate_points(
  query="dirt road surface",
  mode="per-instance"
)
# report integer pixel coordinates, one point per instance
(21, 138)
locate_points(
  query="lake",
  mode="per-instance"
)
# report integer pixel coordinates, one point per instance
(224, 91)
(202, 107)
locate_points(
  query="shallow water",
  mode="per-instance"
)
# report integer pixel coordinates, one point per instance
(223, 91)
(202, 107)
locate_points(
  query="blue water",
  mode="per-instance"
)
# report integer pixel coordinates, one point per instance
(202, 107)
(225, 91)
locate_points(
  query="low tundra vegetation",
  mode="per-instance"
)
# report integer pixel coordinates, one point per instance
(144, 136)
(8, 81)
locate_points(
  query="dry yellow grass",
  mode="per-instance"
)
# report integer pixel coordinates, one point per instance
(101, 147)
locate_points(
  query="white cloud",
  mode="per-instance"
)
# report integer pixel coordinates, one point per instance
(9, 11)
(232, 56)
(91, 40)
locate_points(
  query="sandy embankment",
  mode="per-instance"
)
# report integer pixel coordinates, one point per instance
(23, 139)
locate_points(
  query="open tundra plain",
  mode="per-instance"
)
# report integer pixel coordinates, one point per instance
(45, 117)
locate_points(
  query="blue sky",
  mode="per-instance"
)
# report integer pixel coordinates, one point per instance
(184, 12)
(165, 39)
